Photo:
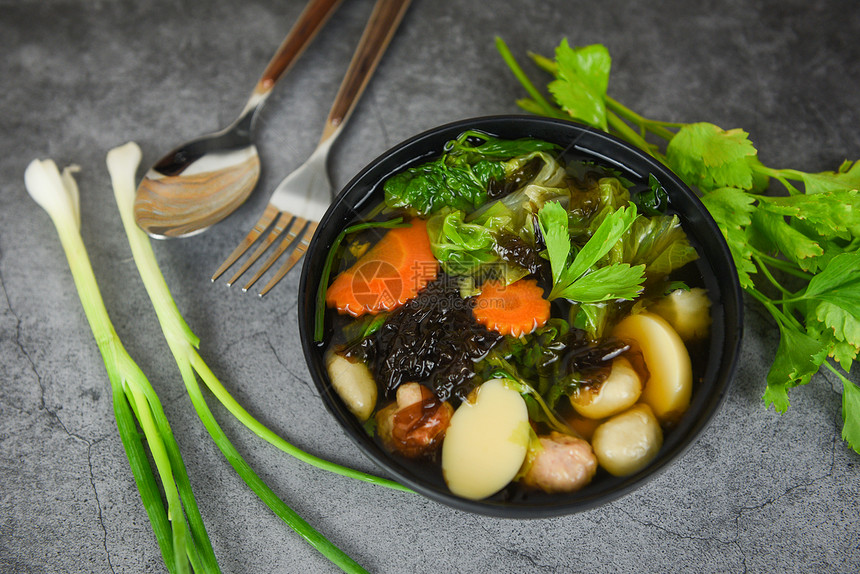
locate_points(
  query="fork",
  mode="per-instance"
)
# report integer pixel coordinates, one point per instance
(300, 200)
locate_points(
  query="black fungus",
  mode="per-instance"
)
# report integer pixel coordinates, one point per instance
(593, 360)
(515, 180)
(514, 249)
(550, 356)
(432, 339)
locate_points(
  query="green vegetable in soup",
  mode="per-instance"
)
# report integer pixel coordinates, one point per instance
(471, 244)
(550, 182)
(461, 247)
(555, 359)
(655, 200)
(659, 243)
(469, 251)
(461, 177)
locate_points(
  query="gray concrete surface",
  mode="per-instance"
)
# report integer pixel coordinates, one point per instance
(759, 492)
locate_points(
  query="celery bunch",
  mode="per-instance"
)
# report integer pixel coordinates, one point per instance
(810, 233)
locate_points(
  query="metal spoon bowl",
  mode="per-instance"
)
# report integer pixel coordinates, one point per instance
(204, 180)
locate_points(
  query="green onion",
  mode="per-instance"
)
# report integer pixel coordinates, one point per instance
(122, 164)
(175, 520)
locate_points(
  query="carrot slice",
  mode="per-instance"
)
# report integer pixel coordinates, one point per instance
(516, 309)
(388, 274)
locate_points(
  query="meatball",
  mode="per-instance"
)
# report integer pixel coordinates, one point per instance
(562, 464)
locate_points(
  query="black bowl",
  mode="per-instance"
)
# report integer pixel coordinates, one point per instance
(715, 265)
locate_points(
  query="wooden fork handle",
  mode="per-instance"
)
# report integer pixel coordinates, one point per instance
(383, 22)
(310, 21)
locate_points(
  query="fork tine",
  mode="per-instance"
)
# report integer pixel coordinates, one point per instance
(298, 224)
(297, 254)
(262, 224)
(273, 234)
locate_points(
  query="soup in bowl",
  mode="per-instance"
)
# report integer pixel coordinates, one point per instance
(519, 316)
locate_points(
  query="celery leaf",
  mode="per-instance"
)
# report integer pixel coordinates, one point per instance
(831, 213)
(552, 219)
(846, 178)
(732, 209)
(843, 352)
(579, 281)
(851, 414)
(582, 77)
(798, 357)
(780, 235)
(839, 284)
(706, 156)
(617, 281)
(844, 326)
(608, 234)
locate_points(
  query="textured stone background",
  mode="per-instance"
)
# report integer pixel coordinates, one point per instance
(758, 492)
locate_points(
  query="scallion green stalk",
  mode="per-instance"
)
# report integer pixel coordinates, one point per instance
(122, 165)
(177, 524)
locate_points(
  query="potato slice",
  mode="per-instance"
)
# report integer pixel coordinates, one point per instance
(354, 384)
(669, 386)
(619, 391)
(688, 311)
(486, 443)
(627, 442)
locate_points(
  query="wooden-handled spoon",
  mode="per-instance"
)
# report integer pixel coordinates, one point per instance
(202, 181)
